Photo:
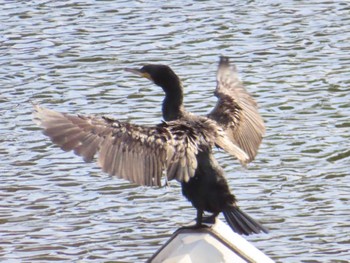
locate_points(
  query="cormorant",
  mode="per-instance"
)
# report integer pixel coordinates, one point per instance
(181, 145)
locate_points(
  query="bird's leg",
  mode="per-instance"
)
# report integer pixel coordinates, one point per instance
(199, 221)
(199, 218)
(210, 219)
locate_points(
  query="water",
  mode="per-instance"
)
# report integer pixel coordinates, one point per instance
(69, 56)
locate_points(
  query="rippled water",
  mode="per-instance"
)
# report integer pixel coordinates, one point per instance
(69, 55)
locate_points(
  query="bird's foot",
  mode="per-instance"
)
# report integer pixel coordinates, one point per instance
(209, 219)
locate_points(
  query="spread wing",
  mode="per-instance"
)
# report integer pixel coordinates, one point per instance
(136, 153)
(236, 111)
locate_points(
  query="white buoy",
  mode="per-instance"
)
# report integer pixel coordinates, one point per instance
(213, 244)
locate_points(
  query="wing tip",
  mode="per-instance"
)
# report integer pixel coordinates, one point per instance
(224, 60)
(225, 67)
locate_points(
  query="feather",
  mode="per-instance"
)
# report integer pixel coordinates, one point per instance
(237, 112)
(136, 153)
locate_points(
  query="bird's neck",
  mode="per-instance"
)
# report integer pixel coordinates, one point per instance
(173, 108)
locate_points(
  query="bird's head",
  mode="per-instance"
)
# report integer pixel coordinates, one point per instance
(160, 75)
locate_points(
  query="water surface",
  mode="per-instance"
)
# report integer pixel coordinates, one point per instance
(69, 56)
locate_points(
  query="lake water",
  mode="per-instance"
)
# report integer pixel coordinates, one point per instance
(293, 56)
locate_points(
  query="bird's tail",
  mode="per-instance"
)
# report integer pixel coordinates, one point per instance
(242, 223)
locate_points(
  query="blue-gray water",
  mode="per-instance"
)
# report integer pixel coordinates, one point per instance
(294, 56)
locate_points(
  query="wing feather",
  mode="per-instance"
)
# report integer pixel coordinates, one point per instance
(236, 111)
(147, 169)
(136, 153)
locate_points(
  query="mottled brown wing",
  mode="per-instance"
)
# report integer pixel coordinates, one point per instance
(236, 111)
(136, 153)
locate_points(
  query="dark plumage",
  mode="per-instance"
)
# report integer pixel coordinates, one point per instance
(181, 146)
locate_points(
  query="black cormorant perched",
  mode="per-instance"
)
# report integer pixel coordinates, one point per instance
(181, 146)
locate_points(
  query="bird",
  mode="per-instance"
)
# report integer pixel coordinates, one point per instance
(180, 147)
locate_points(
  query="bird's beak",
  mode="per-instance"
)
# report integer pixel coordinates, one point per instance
(139, 73)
